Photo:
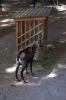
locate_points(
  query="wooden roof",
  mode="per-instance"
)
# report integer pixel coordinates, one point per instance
(33, 12)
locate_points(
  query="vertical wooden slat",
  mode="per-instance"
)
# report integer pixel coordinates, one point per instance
(41, 47)
(38, 30)
(29, 32)
(25, 32)
(42, 29)
(31, 27)
(46, 24)
(27, 28)
(21, 27)
(21, 34)
(27, 42)
(34, 24)
(17, 35)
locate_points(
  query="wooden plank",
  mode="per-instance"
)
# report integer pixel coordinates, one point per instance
(26, 46)
(38, 29)
(34, 24)
(43, 49)
(31, 37)
(43, 29)
(30, 18)
(21, 31)
(45, 36)
(25, 32)
(17, 35)
(31, 29)
(27, 28)
(23, 27)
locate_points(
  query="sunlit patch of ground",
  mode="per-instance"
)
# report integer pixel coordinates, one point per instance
(6, 22)
(61, 8)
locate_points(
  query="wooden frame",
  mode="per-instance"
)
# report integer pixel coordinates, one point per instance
(30, 30)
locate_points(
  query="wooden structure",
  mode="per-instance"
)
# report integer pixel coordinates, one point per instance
(31, 26)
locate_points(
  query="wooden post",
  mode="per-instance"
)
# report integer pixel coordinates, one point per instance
(17, 36)
(45, 26)
(43, 48)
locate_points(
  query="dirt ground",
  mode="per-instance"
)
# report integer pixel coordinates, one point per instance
(49, 87)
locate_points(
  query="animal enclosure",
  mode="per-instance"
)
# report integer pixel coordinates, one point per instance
(31, 26)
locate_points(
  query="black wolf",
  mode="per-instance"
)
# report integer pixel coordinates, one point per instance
(25, 60)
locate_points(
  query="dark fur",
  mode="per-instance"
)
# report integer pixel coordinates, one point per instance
(27, 59)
